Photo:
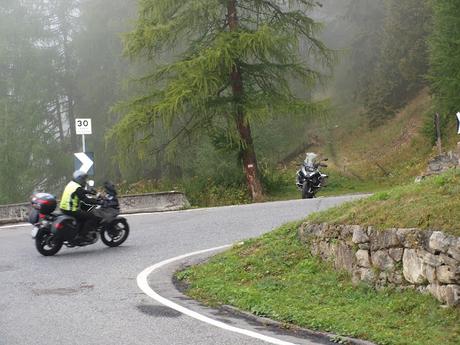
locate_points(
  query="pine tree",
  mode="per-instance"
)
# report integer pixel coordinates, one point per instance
(402, 61)
(26, 132)
(366, 20)
(61, 21)
(235, 63)
(445, 56)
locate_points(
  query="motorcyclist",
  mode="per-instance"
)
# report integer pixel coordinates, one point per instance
(72, 197)
(111, 200)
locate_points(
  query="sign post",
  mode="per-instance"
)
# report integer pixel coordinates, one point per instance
(84, 161)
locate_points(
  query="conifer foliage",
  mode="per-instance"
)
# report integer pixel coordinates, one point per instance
(445, 56)
(236, 62)
(402, 61)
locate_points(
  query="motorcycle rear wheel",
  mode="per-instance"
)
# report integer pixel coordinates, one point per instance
(116, 233)
(47, 244)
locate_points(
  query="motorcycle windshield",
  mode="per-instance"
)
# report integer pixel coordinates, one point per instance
(310, 160)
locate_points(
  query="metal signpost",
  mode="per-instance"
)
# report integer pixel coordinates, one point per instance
(84, 161)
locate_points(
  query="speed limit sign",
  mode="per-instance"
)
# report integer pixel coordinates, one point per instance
(83, 126)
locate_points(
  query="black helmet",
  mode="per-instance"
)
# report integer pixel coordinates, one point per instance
(110, 188)
(80, 177)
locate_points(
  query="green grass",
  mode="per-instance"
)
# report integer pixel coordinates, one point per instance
(432, 204)
(394, 151)
(274, 276)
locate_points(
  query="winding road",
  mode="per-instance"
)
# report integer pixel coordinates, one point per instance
(91, 295)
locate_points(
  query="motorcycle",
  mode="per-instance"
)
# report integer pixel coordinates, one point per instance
(309, 179)
(52, 230)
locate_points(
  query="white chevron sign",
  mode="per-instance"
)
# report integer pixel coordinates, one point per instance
(86, 162)
(458, 121)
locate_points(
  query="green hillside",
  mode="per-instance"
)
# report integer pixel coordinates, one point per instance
(431, 204)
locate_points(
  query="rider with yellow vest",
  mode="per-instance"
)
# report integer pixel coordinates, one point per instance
(73, 194)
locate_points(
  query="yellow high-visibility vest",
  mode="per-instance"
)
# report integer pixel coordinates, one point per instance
(69, 199)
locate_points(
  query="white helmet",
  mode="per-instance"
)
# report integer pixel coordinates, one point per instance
(80, 177)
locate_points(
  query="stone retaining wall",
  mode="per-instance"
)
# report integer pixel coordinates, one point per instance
(151, 202)
(428, 261)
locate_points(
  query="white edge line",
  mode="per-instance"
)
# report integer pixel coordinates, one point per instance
(142, 283)
(15, 226)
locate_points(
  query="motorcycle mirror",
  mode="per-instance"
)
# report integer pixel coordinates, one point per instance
(91, 183)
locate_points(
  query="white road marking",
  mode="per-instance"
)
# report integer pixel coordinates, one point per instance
(15, 226)
(142, 282)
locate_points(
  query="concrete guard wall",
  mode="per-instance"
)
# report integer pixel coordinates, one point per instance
(139, 203)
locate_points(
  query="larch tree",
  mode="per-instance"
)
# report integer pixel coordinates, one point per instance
(222, 61)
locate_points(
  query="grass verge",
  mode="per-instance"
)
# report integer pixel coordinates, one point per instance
(274, 276)
(431, 204)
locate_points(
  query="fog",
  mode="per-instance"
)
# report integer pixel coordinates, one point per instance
(63, 59)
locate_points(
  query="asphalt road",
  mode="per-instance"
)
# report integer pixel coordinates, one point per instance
(90, 295)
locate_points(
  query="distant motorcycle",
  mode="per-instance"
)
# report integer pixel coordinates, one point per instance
(53, 230)
(309, 179)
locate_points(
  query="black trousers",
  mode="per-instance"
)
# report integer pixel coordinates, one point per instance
(86, 221)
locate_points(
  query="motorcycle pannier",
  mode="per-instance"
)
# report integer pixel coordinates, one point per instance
(44, 203)
(65, 228)
(33, 216)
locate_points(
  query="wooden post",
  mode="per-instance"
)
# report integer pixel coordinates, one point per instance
(437, 122)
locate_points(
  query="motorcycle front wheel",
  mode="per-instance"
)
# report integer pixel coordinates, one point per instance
(47, 244)
(115, 233)
(307, 191)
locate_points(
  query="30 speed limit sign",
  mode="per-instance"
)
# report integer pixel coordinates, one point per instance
(83, 126)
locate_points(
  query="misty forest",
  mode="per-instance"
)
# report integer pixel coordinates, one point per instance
(221, 99)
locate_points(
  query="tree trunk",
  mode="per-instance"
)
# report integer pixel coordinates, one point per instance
(64, 28)
(247, 146)
(71, 116)
(249, 159)
(59, 118)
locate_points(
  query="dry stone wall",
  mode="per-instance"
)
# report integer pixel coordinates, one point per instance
(428, 261)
